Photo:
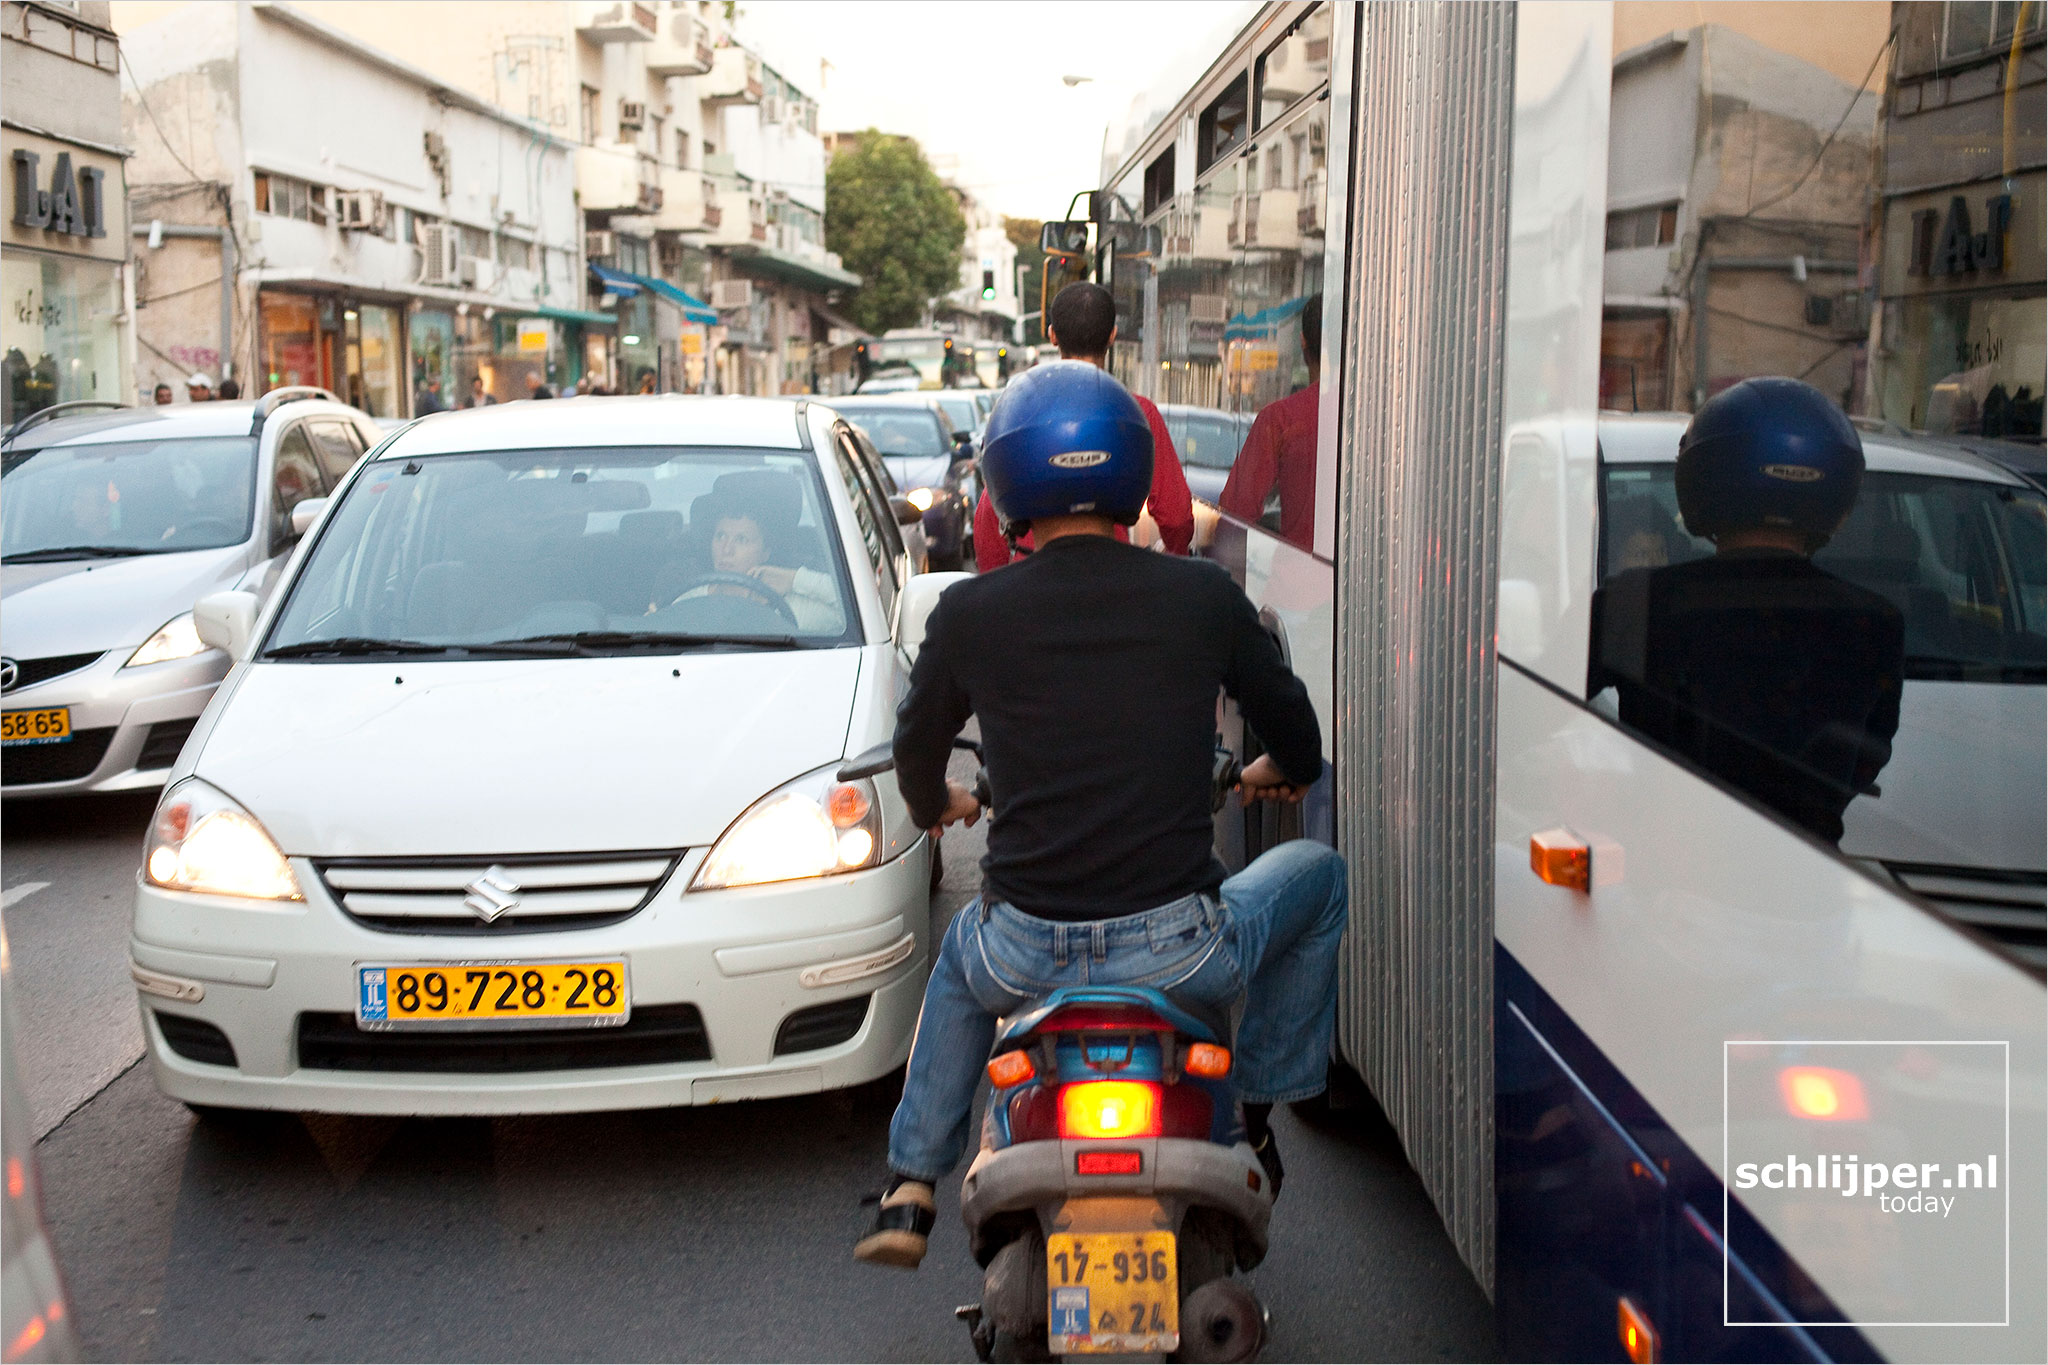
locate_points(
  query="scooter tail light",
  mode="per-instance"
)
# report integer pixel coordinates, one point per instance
(1011, 1068)
(1110, 1109)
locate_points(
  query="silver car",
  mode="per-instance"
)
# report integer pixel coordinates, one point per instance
(111, 525)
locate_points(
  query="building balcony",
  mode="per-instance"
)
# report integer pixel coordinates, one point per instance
(683, 47)
(740, 214)
(617, 177)
(689, 202)
(622, 21)
(735, 78)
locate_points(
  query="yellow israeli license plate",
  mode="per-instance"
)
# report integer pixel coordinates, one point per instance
(50, 726)
(1112, 1292)
(477, 995)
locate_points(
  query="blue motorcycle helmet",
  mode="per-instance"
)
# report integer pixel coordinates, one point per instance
(1066, 437)
(1769, 453)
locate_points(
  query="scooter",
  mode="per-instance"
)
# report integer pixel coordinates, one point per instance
(1114, 1195)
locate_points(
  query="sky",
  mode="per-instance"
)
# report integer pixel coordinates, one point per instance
(979, 84)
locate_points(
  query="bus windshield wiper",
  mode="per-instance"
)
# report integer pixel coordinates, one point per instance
(601, 640)
(77, 552)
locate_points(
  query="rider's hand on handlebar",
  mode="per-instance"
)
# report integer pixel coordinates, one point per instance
(960, 805)
(1262, 780)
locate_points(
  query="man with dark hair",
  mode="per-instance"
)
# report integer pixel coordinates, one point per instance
(1281, 448)
(1082, 323)
(230, 388)
(163, 396)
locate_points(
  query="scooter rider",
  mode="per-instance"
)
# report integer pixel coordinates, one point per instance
(1093, 667)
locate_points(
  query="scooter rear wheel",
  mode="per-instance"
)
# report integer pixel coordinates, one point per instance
(1221, 1321)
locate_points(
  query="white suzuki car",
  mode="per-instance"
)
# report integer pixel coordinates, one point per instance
(539, 785)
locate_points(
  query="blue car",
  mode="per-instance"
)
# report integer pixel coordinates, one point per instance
(931, 462)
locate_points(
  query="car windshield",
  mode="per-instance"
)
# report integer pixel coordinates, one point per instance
(962, 412)
(129, 497)
(900, 431)
(1964, 560)
(1206, 442)
(559, 551)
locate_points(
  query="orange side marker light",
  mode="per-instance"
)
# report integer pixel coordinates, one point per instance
(1561, 858)
(1207, 1060)
(1012, 1068)
(1638, 1337)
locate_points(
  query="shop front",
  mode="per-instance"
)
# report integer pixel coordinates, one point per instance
(353, 347)
(1964, 334)
(63, 261)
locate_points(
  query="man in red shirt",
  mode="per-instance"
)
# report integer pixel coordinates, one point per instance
(1282, 448)
(1082, 323)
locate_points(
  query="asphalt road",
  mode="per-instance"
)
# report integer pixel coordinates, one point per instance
(715, 1234)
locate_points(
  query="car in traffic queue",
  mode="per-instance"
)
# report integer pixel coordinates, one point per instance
(112, 523)
(931, 460)
(523, 794)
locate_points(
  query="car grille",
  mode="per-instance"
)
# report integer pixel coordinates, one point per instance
(23, 764)
(821, 1026)
(29, 672)
(552, 892)
(655, 1034)
(2011, 907)
(166, 739)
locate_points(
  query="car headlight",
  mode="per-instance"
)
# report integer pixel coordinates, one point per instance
(202, 841)
(921, 498)
(179, 639)
(812, 827)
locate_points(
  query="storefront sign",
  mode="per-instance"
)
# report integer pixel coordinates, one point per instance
(693, 343)
(533, 336)
(1955, 250)
(75, 204)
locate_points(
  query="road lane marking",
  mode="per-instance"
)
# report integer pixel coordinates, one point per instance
(16, 893)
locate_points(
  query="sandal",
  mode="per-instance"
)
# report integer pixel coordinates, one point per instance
(902, 1227)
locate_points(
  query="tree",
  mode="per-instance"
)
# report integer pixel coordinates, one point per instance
(1024, 235)
(891, 219)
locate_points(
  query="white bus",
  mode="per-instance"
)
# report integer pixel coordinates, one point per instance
(1689, 1076)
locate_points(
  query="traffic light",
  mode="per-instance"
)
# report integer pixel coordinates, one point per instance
(988, 284)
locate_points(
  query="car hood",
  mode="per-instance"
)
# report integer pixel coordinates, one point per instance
(1963, 787)
(80, 606)
(523, 756)
(918, 471)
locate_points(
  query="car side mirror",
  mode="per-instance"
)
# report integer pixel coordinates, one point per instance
(305, 513)
(226, 620)
(905, 510)
(914, 607)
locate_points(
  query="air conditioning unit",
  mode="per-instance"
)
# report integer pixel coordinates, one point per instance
(472, 270)
(600, 245)
(771, 110)
(1209, 308)
(359, 210)
(732, 294)
(440, 254)
(632, 115)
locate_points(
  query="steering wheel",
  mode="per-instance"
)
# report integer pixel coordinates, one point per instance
(760, 591)
(205, 528)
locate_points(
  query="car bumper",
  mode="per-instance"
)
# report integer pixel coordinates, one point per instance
(127, 725)
(747, 959)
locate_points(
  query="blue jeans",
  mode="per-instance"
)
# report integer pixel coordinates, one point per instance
(1270, 937)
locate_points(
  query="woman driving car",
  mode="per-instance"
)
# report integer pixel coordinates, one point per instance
(743, 534)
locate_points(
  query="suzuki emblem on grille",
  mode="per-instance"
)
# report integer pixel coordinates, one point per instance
(491, 895)
(9, 671)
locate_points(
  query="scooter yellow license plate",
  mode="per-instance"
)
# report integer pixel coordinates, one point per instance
(1112, 1293)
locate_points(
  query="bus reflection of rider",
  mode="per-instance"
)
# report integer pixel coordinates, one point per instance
(741, 532)
(1281, 448)
(1764, 669)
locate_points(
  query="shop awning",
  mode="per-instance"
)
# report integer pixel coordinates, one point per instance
(796, 270)
(615, 281)
(694, 308)
(589, 316)
(1265, 321)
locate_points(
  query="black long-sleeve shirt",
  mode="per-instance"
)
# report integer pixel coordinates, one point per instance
(1094, 667)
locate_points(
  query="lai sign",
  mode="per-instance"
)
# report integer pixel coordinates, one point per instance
(61, 200)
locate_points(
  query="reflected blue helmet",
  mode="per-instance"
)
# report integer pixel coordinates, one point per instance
(1769, 452)
(1066, 437)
